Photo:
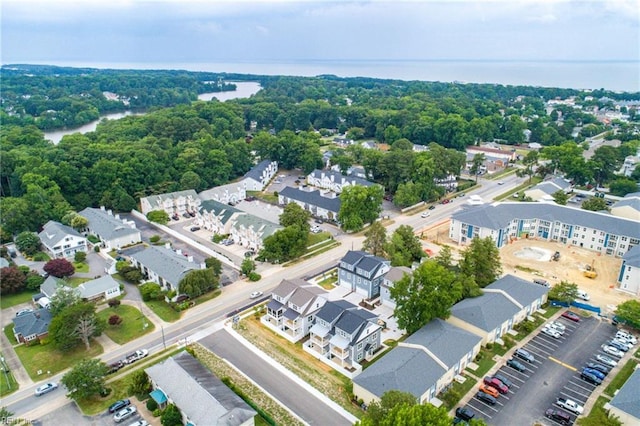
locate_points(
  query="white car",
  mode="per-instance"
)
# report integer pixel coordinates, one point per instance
(612, 351)
(125, 413)
(46, 388)
(551, 332)
(255, 294)
(606, 360)
(501, 183)
(140, 423)
(624, 336)
(425, 214)
(560, 328)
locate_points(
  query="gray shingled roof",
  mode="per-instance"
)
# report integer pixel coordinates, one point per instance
(404, 369)
(525, 292)
(313, 198)
(36, 322)
(485, 312)
(339, 177)
(55, 232)
(333, 309)
(260, 226)
(632, 257)
(352, 320)
(499, 215)
(363, 260)
(547, 187)
(256, 171)
(285, 288)
(225, 211)
(157, 199)
(446, 341)
(633, 202)
(628, 398)
(396, 273)
(165, 263)
(200, 395)
(98, 286)
(106, 225)
(51, 285)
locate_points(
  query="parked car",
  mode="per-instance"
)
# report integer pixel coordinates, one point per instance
(484, 397)
(115, 367)
(319, 221)
(140, 423)
(465, 413)
(192, 214)
(175, 216)
(431, 207)
(557, 326)
(425, 214)
(618, 345)
(599, 374)
(125, 413)
(522, 354)
(489, 389)
(508, 383)
(606, 360)
(558, 416)
(621, 334)
(249, 253)
(601, 368)
(255, 294)
(46, 388)
(496, 383)
(24, 311)
(571, 316)
(119, 405)
(516, 365)
(552, 332)
(194, 228)
(591, 378)
(612, 351)
(187, 215)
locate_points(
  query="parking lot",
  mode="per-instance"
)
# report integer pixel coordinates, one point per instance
(554, 373)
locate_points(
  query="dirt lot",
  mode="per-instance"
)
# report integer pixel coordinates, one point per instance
(535, 254)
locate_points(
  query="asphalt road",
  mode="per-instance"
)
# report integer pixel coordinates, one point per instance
(279, 386)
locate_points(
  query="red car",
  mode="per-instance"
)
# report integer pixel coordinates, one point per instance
(571, 316)
(495, 383)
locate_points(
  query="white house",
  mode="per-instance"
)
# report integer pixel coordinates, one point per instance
(174, 203)
(628, 207)
(629, 275)
(164, 266)
(545, 190)
(104, 287)
(113, 232)
(230, 193)
(325, 206)
(62, 241)
(334, 181)
(393, 275)
(259, 176)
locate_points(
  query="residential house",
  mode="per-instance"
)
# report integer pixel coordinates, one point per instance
(422, 365)
(369, 145)
(493, 152)
(625, 404)
(174, 203)
(216, 217)
(343, 142)
(420, 148)
(629, 275)
(334, 181)
(545, 190)
(202, 398)
(113, 232)
(4, 263)
(503, 304)
(628, 207)
(629, 165)
(343, 335)
(104, 287)
(393, 275)
(250, 231)
(259, 176)
(362, 273)
(292, 308)
(490, 164)
(62, 241)
(164, 266)
(320, 206)
(32, 325)
(231, 193)
(504, 222)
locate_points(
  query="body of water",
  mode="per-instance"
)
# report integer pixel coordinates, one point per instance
(243, 90)
(610, 75)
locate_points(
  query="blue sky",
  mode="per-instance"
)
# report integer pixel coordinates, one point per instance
(180, 31)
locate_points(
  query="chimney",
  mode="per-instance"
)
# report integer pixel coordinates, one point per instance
(167, 246)
(203, 266)
(110, 212)
(178, 251)
(102, 208)
(117, 216)
(190, 258)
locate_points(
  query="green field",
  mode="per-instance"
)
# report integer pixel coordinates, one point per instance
(163, 310)
(134, 324)
(42, 361)
(9, 300)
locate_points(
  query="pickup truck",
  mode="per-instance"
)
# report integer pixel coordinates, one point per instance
(137, 355)
(570, 405)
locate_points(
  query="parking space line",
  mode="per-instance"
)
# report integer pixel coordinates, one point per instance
(548, 340)
(582, 387)
(573, 397)
(487, 405)
(506, 373)
(480, 411)
(570, 367)
(534, 345)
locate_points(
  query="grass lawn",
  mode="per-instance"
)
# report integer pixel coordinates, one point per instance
(81, 266)
(534, 181)
(551, 311)
(621, 377)
(484, 364)
(207, 296)
(329, 283)
(8, 331)
(316, 238)
(8, 384)
(6, 301)
(134, 324)
(48, 359)
(457, 391)
(76, 281)
(163, 310)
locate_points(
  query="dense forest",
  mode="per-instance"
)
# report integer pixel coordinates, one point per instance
(181, 143)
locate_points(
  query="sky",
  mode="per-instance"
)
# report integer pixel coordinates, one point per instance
(183, 31)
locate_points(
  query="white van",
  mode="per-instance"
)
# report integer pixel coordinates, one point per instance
(583, 295)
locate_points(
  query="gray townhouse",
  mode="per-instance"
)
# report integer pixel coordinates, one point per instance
(62, 241)
(292, 308)
(164, 266)
(113, 232)
(343, 335)
(545, 190)
(393, 275)
(422, 365)
(362, 273)
(325, 206)
(202, 398)
(334, 181)
(173, 203)
(259, 176)
(504, 222)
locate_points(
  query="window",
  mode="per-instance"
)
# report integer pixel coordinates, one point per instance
(360, 346)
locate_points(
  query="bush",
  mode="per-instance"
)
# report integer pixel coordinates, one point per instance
(80, 256)
(96, 249)
(150, 291)
(254, 276)
(41, 257)
(157, 412)
(154, 239)
(115, 320)
(152, 405)
(114, 303)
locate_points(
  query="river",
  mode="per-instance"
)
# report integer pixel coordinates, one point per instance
(243, 90)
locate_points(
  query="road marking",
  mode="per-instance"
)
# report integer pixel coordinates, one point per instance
(563, 364)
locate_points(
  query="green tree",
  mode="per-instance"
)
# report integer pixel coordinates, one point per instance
(171, 416)
(79, 222)
(247, 266)
(59, 268)
(73, 324)
(560, 197)
(530, 161)
(604, 162)
(481, 261)
(564, 291)
(359, 205)
(595, 204)
(63, 297)
(375, 239)
(150, 291)
(629, 312)
(623, 186)
(294, 215)
(476, 164)
(406, 412)
(33, 281)
(80, 257)
(12, 280)
(158, 216)
(215, 264)
(378, 411)
(85, 379)
(444, 257)
(198, 282)
(404, 247)
(139, 383)
(284, 244)
(28, 243)
(427, 294)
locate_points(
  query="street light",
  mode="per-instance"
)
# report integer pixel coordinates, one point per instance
(163, 342)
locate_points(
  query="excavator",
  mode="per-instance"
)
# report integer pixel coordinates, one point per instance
(590, 272)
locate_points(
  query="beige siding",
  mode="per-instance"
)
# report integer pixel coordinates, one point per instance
(364, 394)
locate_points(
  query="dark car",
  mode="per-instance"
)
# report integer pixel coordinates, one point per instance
(522, 354)
(175, 216)
(591, 378)
(465, 413)
(249, 253)
(486, 398)
(431, 207)
(599, 374)
(516, 365)
(194, 228)
(119, 405)
(508, 383)
(192, 214)
(115, 367)
(558, 416)
(320, 221)
(185, 214)
(571, 316)
(599, 367)
(496, 383)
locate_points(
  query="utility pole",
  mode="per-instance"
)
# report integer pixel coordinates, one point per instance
(163, 342)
